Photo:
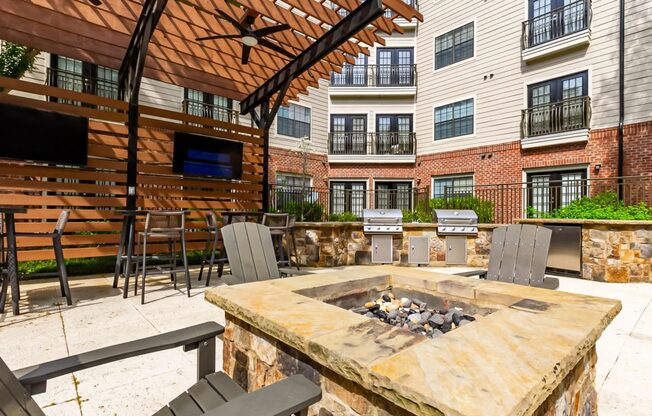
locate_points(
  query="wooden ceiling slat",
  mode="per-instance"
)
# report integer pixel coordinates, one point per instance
(100, 34)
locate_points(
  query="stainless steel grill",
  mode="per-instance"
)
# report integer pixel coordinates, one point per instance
(456, 222)
(382, 221)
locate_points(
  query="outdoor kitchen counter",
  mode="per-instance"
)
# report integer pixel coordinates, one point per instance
(336, 224)
(506, 363)
(582, 222)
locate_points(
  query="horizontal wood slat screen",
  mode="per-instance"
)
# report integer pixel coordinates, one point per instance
(91, 193)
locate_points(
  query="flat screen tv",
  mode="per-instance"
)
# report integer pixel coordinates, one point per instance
(42, 136)
(199, 155)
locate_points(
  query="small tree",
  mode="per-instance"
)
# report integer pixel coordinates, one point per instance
(303, 151)
(16, 59)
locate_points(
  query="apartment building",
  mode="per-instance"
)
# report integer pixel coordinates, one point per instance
(482, 92)
(486, 92)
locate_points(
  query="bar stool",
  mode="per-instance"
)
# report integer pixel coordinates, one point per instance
(280, 226)
(169, 227)
(211, 244)
(58, 252)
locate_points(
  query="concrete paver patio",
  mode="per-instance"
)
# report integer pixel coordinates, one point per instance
(49, 329)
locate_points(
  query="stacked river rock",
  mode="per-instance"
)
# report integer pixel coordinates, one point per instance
(414, 315)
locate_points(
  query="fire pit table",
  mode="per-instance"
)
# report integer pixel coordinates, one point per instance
(529, 352)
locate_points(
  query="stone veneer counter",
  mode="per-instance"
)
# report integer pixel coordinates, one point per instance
(535, 351)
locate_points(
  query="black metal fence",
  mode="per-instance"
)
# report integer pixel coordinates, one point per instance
(375, 76)
(557, 23)
(349, 143)
(216, 112)
(72, 81)
(320, 204)
(495, 203)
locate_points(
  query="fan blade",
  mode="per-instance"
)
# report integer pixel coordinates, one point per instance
(231, 20)
(270, 30)
(275, 47)
(219, 37)
(245, 54)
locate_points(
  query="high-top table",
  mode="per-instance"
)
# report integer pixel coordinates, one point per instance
(12, 259)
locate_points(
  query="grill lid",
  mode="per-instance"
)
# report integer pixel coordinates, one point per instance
(382, 216)
(456, 216)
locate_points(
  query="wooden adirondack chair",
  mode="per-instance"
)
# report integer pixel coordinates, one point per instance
(250, 251)
(519, 254)
(214, 394)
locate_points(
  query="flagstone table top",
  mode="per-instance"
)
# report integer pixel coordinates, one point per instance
(506, 363)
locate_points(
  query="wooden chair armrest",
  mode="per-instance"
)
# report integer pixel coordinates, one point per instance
(34, 377)
(481, 273)
(292, 272)
(283, 398)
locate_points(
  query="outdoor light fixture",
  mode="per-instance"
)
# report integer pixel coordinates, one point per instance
(249, 40)
(598, 166)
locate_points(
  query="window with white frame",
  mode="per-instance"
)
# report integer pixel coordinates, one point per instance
(454, 119)
(452, 186)
(293, 121)
(454, 46)
(289, 180)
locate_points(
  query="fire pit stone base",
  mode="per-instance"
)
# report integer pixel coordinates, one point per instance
(254, 360)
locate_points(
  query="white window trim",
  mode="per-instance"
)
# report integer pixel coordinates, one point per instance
(457, 175)
(449, 102)
(475, 45)
(283, 136)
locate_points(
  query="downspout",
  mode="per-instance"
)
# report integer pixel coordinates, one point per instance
(621, 97)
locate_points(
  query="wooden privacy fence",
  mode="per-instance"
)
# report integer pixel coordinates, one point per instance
(93, 192)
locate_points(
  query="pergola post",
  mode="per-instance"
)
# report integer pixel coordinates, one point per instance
(130, 76)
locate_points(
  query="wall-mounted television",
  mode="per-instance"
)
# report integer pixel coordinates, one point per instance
(42, 136)
(199, 155)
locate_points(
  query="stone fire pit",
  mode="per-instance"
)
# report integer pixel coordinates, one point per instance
(531, 353)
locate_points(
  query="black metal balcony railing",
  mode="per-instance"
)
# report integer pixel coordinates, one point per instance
(572, 18)
(76, 82)
(375, 76)
(216, 112)
(413, 3)
(567, 115)
(372, 143)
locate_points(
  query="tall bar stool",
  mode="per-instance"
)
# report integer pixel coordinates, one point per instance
(211, 246)
(280, 226)
(58, 251)
(167, 227)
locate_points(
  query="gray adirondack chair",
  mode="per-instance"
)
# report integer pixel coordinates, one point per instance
(250, 251)
(519, 254)
(214, 394)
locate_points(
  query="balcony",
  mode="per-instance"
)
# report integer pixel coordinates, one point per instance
(216, 112)
(563, 122)
(559, 30)
(73, 81)
(374, 80)
(390, 14)
(350, 147)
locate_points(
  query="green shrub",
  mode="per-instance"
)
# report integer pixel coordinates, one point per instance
(484, 209)
(343, 217)
(421, 213)
(86, 266)
(604, 206)
(304, 211)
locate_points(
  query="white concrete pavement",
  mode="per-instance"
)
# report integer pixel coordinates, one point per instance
(49, 329)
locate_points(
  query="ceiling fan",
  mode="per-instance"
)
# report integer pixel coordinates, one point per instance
(248, 36)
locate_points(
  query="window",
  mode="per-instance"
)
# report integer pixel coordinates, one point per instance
(394, 134)
(395, 66)
(293, 121)
(75, 75)
(452, 186)
(547, 191)
(288, 180)
(352, 75)
(553, 19)
(207, 105)
(454, 46)
(348, 197)
(558, 105)
(454, 120)
(348, 134)
(393, 195)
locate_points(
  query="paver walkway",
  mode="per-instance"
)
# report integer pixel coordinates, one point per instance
(140, 386)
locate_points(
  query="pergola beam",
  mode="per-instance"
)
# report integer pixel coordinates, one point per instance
(130, 77)
(339, 34)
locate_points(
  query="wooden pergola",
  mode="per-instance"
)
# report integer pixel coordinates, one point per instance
(158, 39)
